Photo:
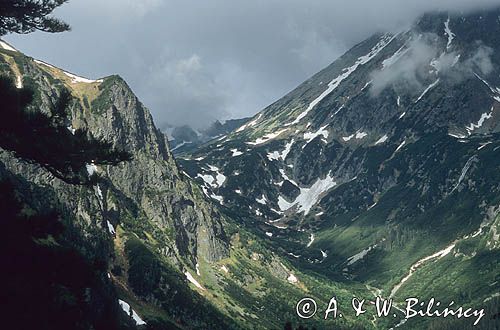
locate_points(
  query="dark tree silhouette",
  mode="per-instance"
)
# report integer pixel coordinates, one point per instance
(45, 139)
(25, 16)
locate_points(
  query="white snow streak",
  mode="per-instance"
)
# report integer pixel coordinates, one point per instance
(309, 136)
(6, 46)
(400, 146)
(250, 124)
(358, 256)
(77, 79)
(91, 169)
(111, 229)
(447, 32)
(127, 309)
(470, 128)
(193, 280)
(358, 135)
(431, 86)
(267, 137)
(262, 200)
(236, 152)
(332, 85)
(382, 140)
(19, 82)
(45, 64)
(311, 240)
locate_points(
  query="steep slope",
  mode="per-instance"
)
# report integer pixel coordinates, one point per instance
(386, 158)
(164, 250)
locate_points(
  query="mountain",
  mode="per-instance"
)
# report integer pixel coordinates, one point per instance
(186, 139)
(383, 168)
(378, 176)
(141, 245)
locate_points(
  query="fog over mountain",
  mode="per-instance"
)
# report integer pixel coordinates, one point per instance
(192, 62)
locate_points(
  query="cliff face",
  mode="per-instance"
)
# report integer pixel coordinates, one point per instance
(147, 190)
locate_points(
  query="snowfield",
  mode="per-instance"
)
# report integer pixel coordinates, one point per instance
(308, 197)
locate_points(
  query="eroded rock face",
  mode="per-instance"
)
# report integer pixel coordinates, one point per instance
(148, 191)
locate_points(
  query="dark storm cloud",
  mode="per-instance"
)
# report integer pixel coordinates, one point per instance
(193, 61)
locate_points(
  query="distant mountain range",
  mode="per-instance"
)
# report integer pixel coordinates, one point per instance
(184, 138)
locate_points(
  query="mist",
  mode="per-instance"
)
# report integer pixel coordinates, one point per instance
(191, 62)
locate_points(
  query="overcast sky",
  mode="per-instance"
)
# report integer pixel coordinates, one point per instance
(194, 61)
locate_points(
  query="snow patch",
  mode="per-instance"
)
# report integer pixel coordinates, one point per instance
(218, 198)
(236, 153)
(470, 128)
(348, 138)
(308, 197)
(214, 181)
(448, 33)
(111, 229)
(358, 135)
(91, 169)
(361, 135)
(309, 136)
(457, 136)
(44, 64)
(311, 240)
(19, 82)
(191, 279)
(292, 278)
(400, 146)
(382, 140)
(198, 269)
(275, 155)
(77, 79)
(6, 46)
(359, 256)
(484, 145)
(267, 137)
(262, 200)
(129, 311)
